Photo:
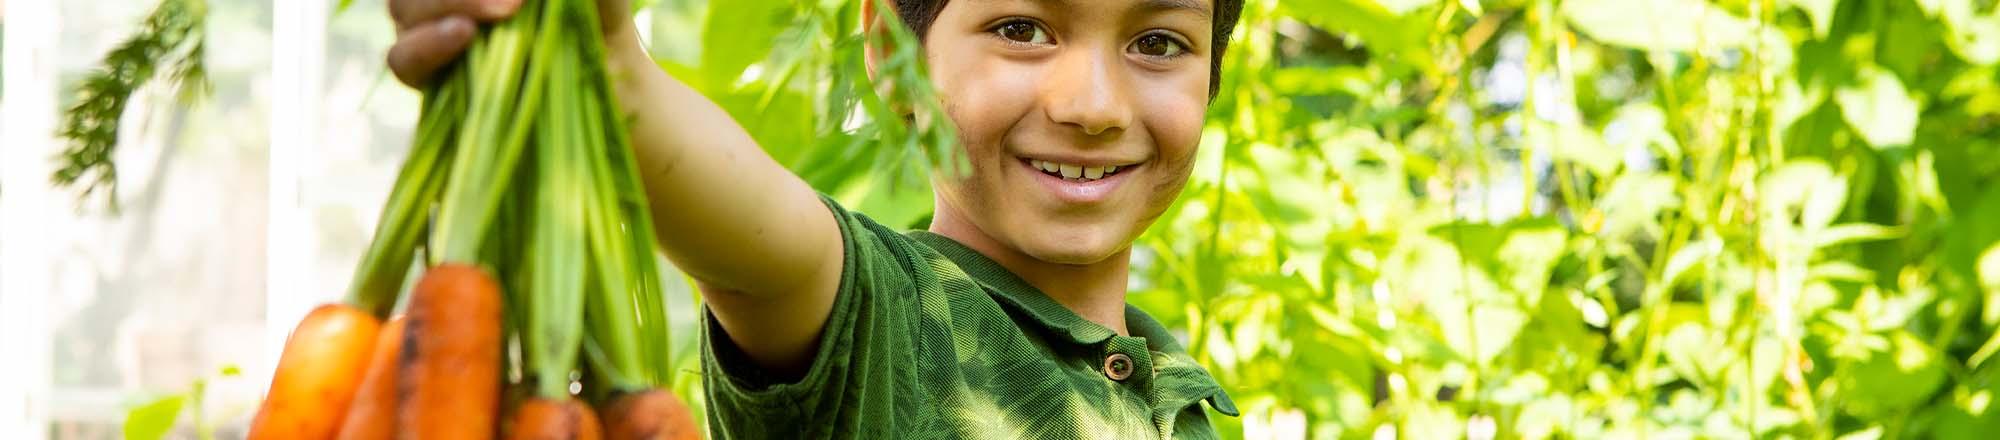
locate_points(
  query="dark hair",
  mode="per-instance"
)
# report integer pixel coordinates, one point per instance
(920, 13)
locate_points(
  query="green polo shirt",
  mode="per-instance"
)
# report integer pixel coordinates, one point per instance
(930, 339)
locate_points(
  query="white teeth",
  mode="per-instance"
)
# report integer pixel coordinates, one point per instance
(1073, 172)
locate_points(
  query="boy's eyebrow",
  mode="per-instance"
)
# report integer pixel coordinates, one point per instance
(1194, 6)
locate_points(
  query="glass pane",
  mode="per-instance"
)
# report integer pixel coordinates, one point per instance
(169, 288)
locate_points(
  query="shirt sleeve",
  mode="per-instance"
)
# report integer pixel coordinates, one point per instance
(864, 350)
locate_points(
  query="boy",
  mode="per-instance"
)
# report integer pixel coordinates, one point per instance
(1007, 318)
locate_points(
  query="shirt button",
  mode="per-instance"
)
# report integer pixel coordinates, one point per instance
(1118, 366)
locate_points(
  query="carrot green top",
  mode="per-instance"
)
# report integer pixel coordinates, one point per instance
(930, 339)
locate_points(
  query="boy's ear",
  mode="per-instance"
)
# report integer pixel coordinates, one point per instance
(876, 45)
(876, 42)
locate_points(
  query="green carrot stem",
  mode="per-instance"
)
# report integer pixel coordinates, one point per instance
(555, 263)
(378, 280)
(634, 219)
(616, 319)
(503, 104)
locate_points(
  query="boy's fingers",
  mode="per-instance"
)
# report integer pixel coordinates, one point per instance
(426, 47)
(411, 13)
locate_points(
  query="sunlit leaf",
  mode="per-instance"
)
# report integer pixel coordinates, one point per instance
(1803, 194)
(1880, 108)
(1472, 7)
(1853, 232)
(153, 420)
(1686, 347)
(1975, 38)
(737, 36)
(1578, 144)
(1670, 25)
(1634, 202)
(1872, 433)
(1398, 36)
(1894, 378)
(1989, 269)
(1819, 11)
(1400, 7)
(1686, 258)
(1972, 411)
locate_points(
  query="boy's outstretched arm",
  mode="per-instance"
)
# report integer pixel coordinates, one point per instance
(765, 250)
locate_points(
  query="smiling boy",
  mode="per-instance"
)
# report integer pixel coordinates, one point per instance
(1007, 318)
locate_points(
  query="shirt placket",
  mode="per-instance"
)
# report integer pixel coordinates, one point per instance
(1128, 362)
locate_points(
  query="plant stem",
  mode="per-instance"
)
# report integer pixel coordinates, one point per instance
(378, 280)
(503, 103)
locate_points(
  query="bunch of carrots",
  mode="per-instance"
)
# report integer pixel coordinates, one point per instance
(539, 312)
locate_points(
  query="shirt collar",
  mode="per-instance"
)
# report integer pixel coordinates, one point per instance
(1009, 289)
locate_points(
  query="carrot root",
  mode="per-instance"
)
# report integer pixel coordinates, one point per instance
(649, 415)
(448, 381)
(318, 374)
(545, 419)
(372, 415)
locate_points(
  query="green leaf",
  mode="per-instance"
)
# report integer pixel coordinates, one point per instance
(736, 36)
(1805, 190)
(1399, 7)
(1872, 433)
(1973, 36)
(1686, 258)
(1668, 25)
(1685, 348)
(1853, 232)
(1472, 7)
(1530, 250)
(1474, 329)
(1576, 143)
(1879, 108)
(1972, 411)
(1989, 270)
(1402, 38)
(1635, 202)
(1819, 11)
(152, 420)
(1977, 40)
(1893, 379)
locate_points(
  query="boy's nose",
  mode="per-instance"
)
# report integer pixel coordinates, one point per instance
(1086, 91)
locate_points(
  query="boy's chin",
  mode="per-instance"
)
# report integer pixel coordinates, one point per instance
(1079, 251)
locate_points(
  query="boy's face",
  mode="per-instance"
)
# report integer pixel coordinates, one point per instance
(1109, 94)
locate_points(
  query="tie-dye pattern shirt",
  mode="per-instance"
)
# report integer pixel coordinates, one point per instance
(930, 339)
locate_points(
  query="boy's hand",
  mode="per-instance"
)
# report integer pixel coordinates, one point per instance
(432, 33)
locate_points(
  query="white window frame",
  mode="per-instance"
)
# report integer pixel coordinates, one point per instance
(30, 207)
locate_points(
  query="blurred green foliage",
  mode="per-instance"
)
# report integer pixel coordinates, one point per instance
(1536, 218)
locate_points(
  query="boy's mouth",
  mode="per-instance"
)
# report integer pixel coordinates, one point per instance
(1079, 183)
(1073, 172)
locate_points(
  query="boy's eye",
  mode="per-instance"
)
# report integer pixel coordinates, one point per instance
(1156, 45)
(1022, 32)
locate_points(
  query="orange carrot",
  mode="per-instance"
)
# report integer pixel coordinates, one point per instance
(373, 414)
(649, 415)
(317, 375)
(448, 380)
(545, 419)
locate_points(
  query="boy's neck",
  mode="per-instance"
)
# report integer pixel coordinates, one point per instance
(1094, 291)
